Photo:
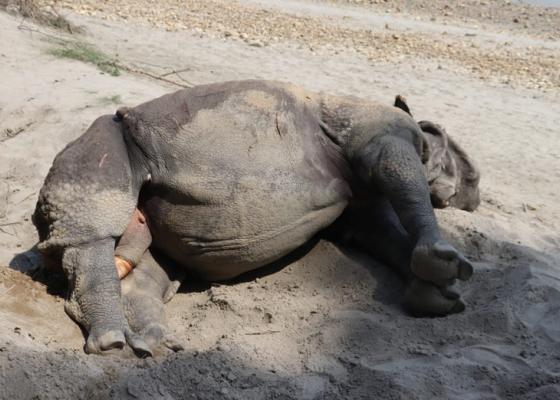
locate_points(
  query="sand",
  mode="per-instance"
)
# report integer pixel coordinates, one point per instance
(329, 324)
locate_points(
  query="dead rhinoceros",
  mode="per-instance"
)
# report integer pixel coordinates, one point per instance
(233, 176)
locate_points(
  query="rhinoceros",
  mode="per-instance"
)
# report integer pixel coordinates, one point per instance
(229, 177)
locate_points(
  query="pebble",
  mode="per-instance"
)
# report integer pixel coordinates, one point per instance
(256, 44)
(223, 347)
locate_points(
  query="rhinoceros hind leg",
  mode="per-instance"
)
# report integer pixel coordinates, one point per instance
(94, 298)
(145, 290)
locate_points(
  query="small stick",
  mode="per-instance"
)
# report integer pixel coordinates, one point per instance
(7, 290)
(10, 223)
(137, 71)
(261, 333)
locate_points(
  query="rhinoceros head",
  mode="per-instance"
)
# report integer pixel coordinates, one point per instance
(452, 175)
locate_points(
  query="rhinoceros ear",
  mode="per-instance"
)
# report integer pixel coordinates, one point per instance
(468, 195)
(436, 144)
(400, 102)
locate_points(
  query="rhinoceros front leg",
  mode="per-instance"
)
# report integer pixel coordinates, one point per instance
(378, 231)
(392, 165)
(375, 228)
(145, 290)
(146, 285)
(94, 298)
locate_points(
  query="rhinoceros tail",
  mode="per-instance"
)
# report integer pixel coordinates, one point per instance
(121, 113)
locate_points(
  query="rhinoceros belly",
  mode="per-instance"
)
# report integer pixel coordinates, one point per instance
(249, 180)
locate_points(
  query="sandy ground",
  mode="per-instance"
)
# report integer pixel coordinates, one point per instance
(328, 325)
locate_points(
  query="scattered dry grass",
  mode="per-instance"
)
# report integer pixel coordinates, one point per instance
(87, 53)
(42, 15)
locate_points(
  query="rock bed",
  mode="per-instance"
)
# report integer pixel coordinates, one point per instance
(534, 66)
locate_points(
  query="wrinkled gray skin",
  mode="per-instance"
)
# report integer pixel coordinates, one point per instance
(233, 176)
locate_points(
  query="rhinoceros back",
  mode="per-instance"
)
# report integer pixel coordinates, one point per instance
(243, 174)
